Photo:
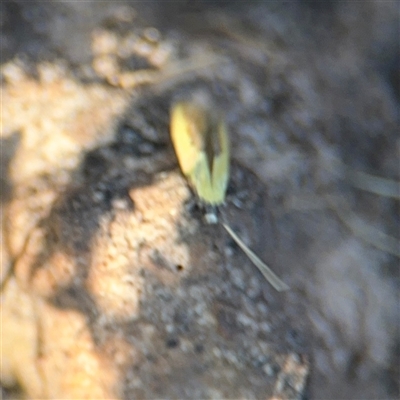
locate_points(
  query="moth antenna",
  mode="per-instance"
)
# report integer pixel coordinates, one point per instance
(269, 275)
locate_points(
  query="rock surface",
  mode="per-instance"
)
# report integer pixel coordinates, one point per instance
(113, 286)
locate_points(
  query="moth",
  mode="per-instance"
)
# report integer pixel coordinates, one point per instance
(200, 139)
(201, 144)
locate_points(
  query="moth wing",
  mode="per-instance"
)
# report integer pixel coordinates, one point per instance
(201, 179)
(220, 165)
(186, 137)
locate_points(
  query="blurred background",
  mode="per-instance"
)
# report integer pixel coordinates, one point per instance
(311, 94)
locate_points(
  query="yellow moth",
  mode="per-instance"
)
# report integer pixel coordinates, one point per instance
(202, 148)
(201, 144)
